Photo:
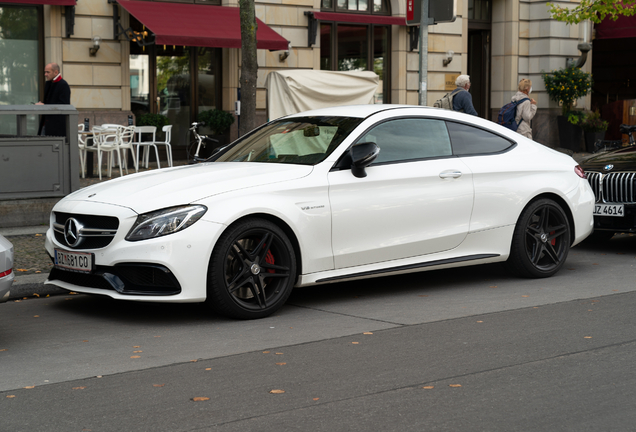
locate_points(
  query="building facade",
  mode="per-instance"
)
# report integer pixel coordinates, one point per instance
(142, 64)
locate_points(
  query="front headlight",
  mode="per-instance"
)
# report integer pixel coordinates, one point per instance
(166, 221)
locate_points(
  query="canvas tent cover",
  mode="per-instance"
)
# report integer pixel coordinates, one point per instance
(292, 91)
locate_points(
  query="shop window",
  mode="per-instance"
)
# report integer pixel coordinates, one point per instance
(21, 73)
(357, 47)
(175, 81)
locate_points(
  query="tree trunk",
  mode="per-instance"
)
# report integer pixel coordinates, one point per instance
(249, 66)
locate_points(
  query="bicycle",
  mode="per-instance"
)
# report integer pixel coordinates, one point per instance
(607, 145)
(200, 141)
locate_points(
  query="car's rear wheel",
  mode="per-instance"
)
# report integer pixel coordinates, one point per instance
(252, 270)
(541, 240)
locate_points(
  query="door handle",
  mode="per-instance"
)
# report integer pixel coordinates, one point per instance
(450, 174)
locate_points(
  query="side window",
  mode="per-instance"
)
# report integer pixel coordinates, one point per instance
(469, 140)
(409, 139)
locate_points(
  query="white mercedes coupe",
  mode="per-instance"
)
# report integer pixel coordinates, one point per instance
(323, 196)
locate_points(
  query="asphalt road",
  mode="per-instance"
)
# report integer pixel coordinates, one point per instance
(470, 349)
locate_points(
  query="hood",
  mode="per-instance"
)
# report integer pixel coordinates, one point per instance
(623, 159)
(162, 188)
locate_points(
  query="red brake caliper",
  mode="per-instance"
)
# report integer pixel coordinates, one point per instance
(554, 239)
(269, 259)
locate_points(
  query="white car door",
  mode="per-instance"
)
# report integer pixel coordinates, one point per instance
(416, 198)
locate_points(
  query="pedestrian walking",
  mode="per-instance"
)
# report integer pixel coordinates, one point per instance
(525, 110)
(462, 99)
(56, 92)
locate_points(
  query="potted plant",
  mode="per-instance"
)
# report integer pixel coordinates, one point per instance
(565, 86)
(217, 121)
(594, 128)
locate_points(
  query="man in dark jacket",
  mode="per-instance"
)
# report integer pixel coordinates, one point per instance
(462, 100)
(56, 92)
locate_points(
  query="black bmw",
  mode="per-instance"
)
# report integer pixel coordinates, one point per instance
(612, 176)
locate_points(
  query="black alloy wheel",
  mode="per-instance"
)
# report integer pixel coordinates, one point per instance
(252, 270)
(541, 240)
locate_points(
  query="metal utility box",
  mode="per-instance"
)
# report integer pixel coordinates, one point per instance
(38, 166)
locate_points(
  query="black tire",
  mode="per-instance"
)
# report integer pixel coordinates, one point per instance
(541, 240)
(252, 270)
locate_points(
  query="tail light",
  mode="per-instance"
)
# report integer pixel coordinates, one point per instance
(580, 172)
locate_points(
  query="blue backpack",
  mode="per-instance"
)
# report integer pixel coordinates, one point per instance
(507, 114)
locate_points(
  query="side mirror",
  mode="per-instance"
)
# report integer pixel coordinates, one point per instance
(363, 155)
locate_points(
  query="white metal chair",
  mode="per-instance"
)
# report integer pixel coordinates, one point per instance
(139, 130)
(81, 144)
(127, 141)
(167, 132)
(106, 141)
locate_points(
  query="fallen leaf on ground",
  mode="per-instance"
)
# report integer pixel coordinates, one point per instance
(29, 387)
(10, 396)
(138, 351)
(454, 385)
(265, 352)
(79, 388)
(158, 385)
(316, 399)
(367, 333)
(279, 353)
(208, 368)
(277, 391)
(355, 343)
(428, 387)
(587, 337)
(281, 364)
(135, 357)
(200, 399)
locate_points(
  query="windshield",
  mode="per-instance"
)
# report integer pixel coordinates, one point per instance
(301, 140)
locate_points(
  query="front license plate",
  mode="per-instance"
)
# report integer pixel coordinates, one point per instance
(616, 210)
(76, 261)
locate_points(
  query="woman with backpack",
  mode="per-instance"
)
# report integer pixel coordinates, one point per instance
(525, 110)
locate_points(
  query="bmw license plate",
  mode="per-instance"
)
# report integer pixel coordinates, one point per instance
(616, 210)
(76, 261)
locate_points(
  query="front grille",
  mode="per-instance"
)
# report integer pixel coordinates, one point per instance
(97, 231)
(613, 187)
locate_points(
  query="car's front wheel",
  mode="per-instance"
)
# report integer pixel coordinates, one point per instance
(541, 240)
(252, 270)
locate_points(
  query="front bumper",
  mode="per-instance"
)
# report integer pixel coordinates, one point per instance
(172, 268)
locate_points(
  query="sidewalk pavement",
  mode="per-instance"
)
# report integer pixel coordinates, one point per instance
(32, 264)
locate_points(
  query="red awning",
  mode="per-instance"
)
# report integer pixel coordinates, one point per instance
(42, 2)
(199, 25)
(359, 18)
(623, 27)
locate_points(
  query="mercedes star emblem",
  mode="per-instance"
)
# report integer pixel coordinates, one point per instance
(72, 230)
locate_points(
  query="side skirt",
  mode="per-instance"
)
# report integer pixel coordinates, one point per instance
(409, 267)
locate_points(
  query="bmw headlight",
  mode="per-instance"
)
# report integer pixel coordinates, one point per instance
(166, 221)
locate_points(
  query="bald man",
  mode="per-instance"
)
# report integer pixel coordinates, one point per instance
(57, 92)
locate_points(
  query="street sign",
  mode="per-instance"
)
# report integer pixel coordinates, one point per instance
(439, 10)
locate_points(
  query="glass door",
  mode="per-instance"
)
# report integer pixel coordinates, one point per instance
(174, 89)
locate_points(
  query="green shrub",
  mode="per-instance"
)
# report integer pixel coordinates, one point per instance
(594, 123)
(567, 85)
(217, 120)
(149, 119)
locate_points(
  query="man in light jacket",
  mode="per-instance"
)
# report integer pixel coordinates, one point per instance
(525, 110)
